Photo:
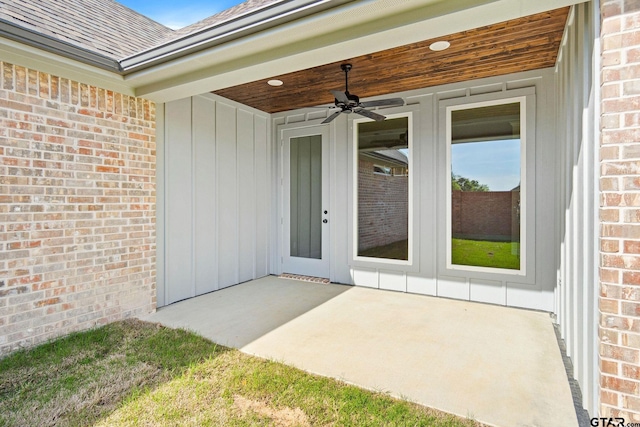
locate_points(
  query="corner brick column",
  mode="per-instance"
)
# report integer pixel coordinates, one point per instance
(619, 303)
(77, 206)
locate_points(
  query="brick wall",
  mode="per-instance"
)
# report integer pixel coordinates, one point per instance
(619, 302)
(77, 206)
(383, 210)
(485, 214)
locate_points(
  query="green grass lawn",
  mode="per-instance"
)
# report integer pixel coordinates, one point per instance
(133, 373)
(484, 254)
(479, 253)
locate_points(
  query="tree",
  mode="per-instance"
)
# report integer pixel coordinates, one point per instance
(465, 184)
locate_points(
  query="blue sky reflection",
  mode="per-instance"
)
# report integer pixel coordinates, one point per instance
(494, 163)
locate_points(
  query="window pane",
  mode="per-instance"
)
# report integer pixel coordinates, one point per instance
(306, 197)
(383, 189)
(485, 186)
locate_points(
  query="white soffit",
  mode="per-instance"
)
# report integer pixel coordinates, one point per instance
(351, 30)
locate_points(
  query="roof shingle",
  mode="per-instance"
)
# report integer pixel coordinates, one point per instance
(101, 26)
(234, 12)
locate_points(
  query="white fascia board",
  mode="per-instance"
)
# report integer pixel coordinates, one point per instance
(37, 59)
(338, 34)
(270, 15)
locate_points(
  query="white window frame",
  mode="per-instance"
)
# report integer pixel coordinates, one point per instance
(526, 273)
(386, 263)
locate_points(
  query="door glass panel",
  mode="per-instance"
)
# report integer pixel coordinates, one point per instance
(306, 197)
(383, 189)
(486, 186)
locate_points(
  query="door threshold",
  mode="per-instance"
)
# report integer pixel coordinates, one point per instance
(304, 278)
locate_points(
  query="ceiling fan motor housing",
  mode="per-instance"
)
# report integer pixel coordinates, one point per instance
(354, 101)
(349, 103)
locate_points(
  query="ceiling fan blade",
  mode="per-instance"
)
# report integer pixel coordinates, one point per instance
(340, 96)
(389, 102)
(331, 117)
(375, 116)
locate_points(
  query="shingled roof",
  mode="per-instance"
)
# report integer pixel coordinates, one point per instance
(107, 27)
(236, 11)
(101, 26)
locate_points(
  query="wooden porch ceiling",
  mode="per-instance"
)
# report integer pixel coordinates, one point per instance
(522, 44)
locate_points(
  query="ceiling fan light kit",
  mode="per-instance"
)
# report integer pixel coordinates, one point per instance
(350, 103)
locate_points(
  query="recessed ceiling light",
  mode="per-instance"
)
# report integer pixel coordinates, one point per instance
(438, 46)
(275, 83)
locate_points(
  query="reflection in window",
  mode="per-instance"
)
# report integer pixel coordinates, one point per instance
(383, 189)
(485, 186)
(306, 197)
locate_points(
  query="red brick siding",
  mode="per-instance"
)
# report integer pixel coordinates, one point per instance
(619, 303)
(484, 214)
(77, 206)
(383, 215)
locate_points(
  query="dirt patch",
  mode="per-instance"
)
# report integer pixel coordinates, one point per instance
(285, 417)
(100, 389)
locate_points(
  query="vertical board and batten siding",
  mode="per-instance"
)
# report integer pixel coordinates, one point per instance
(246, 192)
(576, 240)
(425, 276)
(306, 196)
(226, 172)
(204, 203)
(215, 183)
(178, 201)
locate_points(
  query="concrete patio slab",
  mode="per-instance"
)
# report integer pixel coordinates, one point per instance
(498, 365)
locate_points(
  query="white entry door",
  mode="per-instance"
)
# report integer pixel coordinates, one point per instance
(306, 215)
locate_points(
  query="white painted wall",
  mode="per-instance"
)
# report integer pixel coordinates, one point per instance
(214, 199)
(576, 239)
(426, 275)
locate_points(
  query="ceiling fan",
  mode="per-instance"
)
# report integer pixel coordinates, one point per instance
(350, 103)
